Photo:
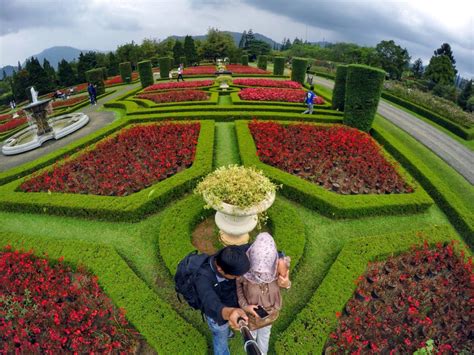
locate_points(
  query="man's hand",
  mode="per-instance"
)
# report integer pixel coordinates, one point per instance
(232, 315)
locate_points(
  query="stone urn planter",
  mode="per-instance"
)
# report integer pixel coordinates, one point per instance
(236, 223)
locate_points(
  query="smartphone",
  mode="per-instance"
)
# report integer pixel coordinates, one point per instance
(262, 313)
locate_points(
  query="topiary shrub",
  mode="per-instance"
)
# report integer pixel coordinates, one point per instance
(262, 62)
(126, 71)
(165, 66)
(278, 65)
(245, 60)
(146, 73)
(298, 72)
(104, 72)
(96, 77)
(182, 60)
(339, 91)
(363, 90)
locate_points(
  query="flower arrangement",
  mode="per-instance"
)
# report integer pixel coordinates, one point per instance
(242, 187)
(276, 94)
(176, 96)
(179, 85)
(268, 83)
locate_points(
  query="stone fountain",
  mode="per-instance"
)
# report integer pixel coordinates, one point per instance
(40, 128)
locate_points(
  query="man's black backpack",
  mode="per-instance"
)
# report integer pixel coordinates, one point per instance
(186, 275)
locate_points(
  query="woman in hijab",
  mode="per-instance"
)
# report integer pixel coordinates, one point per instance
(260, 287)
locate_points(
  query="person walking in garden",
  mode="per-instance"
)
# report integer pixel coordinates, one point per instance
(258, 290)
(309, 100)
(180, 72)
(92, 94)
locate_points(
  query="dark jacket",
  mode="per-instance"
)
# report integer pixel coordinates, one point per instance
(215, 295)
(91, 90)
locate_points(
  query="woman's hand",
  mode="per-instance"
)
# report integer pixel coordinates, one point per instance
(250, 309)
(284, 281)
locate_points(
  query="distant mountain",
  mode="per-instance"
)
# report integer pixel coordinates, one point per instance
(8, 70)
(235, 35)
(55, 54)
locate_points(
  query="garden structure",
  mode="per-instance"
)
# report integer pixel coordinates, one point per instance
(117, 208)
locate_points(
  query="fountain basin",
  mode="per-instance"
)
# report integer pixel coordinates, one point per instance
(28, 139)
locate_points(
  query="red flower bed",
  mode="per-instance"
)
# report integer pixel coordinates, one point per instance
(276, 94)
(180, 85)
(407, 300)
(339, 158)
(68, 102)
(125, 163)
(118, 79)
(80, 88)
(12, 124)
(6, 117)
(51, 309)
(176, 96)
(204, 70)
(244, 69)
(268, 83)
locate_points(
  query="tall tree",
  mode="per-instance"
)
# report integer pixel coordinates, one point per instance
(393, 58)
(4, 74)
(86, 62)
(445, 49)
(19, 66)
(440, 70)
(113, 68)
(418, 69)
(190, 50)
(466, 93)
(21, 80)
(249, 37)
(48, 68)
(129, 52)
(66, 75)
(178, 52)
(148, 48)
(218, 44)
(38, 76)
(243, 38)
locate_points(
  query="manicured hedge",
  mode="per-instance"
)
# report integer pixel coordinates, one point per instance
(129, 208)
(278, 65)
(298, 72)
(339, 92)
(465, 133)
(104, 72)
(245, 60)
(126, 71)
(154, 318)
(326, 202)
(165, 67)
(146, 73)
(310, 330)
(262, 62)
(179, 221)
(96, 77)
(363, 89)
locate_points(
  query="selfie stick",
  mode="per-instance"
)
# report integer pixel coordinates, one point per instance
(250, 345)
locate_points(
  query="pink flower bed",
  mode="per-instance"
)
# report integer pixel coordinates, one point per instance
(118, 79)
(128, 162)
(180, 85)
(268, 83)
(244, 69)
(176, 96)
(276, 94)
(204, 70)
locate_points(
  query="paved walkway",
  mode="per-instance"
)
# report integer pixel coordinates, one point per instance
(452, 152)
(97, 120)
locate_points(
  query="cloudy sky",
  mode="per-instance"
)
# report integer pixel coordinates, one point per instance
(29, 26)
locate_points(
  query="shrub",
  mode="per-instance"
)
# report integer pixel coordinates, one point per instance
(126, 72)
(165, 67)
(104, 72)
(95, 76)
(146, 73)
(245, 60)
(339, 92)
(298, 72)
(262, 62)
(363, 89)
(182, 60)
(278, 65)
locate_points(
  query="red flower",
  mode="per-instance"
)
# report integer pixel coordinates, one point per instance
(276, 94)
(176, 96)
(179, 85)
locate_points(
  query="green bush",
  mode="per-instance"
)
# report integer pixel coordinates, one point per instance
(96, 77)
(165, 67)
(146, 73)
(363, 89)
(154, 318)
(278, 65)
(298, 72)
(311, 328)
(326, 202)
(126, 71)
(245, 60)
(339, 91)
(262, 62)
(182, 60)
(104, 72)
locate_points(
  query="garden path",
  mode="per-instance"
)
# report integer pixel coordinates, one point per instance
(455, 154)
(98, 119)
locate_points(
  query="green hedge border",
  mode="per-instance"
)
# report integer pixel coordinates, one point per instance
(464, 133)
(154, 318)
(179, 221)
(328, 203)
(129, 208)
(311, 328)
(323, 74)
